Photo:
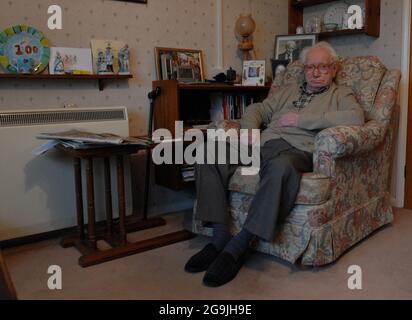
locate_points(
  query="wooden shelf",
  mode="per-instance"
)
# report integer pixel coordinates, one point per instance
(372, 18)
(99, 77)
(341, 33)
(308, 3)
(190, 103)
(223, 87)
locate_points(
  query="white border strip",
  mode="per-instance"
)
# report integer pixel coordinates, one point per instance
(399, 197)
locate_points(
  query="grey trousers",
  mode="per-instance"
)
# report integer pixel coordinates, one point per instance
(281, 170)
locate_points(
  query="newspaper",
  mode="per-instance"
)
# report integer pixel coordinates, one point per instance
(82, 140)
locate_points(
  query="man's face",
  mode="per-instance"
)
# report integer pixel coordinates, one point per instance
(290, 47)
(319, 71)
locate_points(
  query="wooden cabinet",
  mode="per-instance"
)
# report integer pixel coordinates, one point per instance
(372, 18)
(190, 103)
(7, 291)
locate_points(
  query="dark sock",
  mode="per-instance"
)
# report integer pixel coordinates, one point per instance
(239, 244)
(221, 236)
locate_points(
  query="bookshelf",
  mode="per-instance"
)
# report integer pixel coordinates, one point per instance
(372, 18)
(192, 103)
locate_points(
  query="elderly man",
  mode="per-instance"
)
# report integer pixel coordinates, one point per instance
(290, 53)
(292, 117)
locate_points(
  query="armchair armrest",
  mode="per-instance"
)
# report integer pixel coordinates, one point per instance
(344, 141)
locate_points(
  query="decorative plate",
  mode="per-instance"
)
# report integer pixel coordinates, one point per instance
(334, 14)
(23, 49)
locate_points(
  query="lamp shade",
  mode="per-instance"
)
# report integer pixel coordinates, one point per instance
(245, 25)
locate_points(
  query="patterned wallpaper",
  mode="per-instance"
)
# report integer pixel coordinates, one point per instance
(387, 47)
(167, 23)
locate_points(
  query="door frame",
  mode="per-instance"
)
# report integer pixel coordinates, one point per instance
(404, 177)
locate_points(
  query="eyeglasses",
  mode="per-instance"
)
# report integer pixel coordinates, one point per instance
(322, 68)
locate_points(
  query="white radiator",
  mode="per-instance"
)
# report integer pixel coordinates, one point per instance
(37, 193)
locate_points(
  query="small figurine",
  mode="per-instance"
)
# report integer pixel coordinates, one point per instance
(124, 60)
(58, 64)
(109, 59)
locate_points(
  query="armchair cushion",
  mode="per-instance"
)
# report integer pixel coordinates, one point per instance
(314, 188)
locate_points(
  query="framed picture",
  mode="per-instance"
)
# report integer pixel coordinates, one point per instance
(70, 61)
(289, 47)
(184, 65)
(278, 67)
(254, 73)
(110, 56)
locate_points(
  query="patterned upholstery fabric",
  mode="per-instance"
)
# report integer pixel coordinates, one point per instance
(351, 174)
(314, 188)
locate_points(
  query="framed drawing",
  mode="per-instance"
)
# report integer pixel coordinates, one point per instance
(289, 47)
(254, 73)
(184, 65)
(70, 61)
(110, 56)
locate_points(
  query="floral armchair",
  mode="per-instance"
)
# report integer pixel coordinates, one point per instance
(346, 198)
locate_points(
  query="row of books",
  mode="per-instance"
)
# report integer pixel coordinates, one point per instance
(188, 173)
(229, 107)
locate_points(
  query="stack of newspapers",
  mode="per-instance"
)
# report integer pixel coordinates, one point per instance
(83, 140)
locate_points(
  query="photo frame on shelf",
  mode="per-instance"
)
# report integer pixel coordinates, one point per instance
(289, 47)
(254, 73)
(70, 61)
(183, 65)
(110, 56)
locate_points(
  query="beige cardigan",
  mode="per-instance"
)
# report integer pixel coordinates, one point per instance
(336, 106)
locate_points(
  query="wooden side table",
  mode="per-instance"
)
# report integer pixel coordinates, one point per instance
(7, 291)
(85, 240)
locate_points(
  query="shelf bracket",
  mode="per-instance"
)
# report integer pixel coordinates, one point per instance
(101, 84)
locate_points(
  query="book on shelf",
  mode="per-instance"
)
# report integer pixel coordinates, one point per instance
(229, 106)
(188, 173)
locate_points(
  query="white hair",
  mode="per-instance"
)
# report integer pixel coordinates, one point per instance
(323, 45)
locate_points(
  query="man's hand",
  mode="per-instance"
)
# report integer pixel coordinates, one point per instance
(289, 119)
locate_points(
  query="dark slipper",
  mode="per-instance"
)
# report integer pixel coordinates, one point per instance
(223, 270)
(202, 260)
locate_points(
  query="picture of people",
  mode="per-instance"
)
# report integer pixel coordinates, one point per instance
(290, 47)
(110, 57)
(254, 73)
(290, 52)
(184, 65)
(70, 61)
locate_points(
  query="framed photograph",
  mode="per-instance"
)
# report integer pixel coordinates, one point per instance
(70, 61)
(183, 65)
(254, 73)
(110, 56)
(289, 47)
(278, 67)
